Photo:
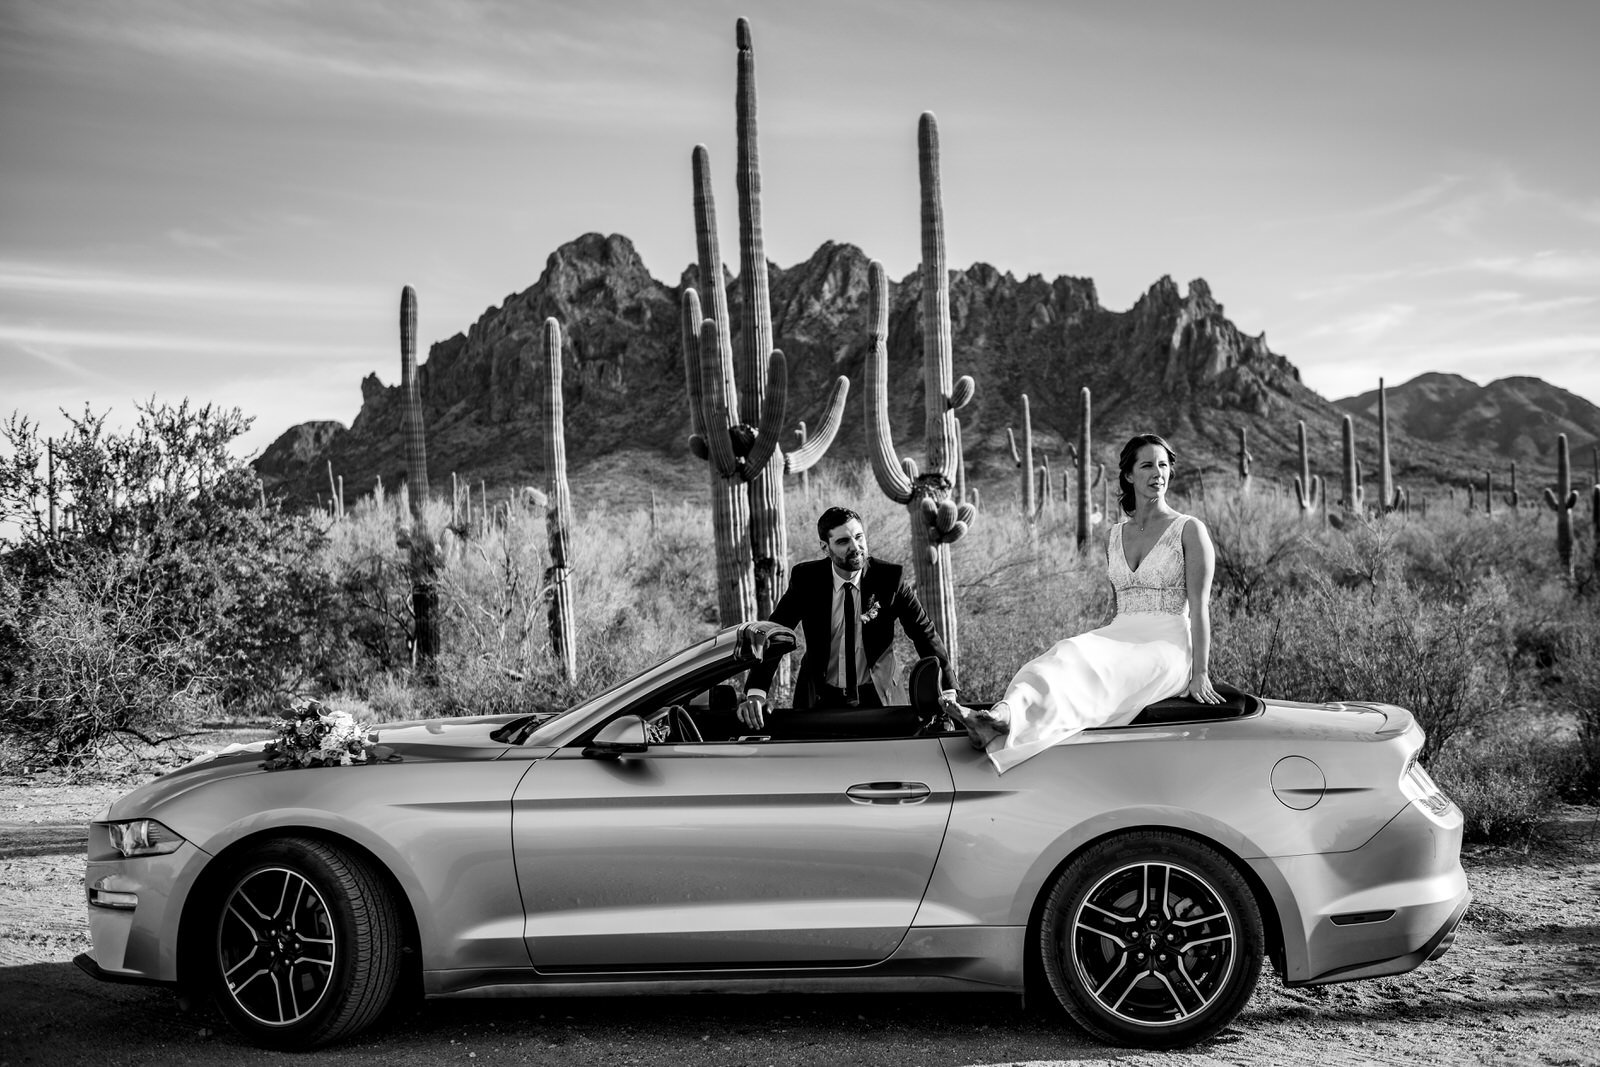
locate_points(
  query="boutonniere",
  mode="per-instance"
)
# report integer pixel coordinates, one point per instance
(870, 612)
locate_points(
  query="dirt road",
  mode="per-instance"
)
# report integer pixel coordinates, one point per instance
(1521, 986)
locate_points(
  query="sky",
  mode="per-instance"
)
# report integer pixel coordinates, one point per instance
(222, 199)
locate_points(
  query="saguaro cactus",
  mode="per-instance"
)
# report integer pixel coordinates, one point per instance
(761, 397)
(1387, 500)
(1562, 500)
(1513, 498)
(1244, 460)
(1023, 458)
(1350, 485)
(709, 377)
(937, 520)
(1307, 487)
(558, 508)
(1488, 492)
(423, 553)
(1081, 454)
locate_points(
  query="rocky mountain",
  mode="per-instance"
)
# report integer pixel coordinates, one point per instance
(1172, 363)
(1514, 418)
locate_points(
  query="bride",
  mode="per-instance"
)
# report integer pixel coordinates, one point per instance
(1160, 564)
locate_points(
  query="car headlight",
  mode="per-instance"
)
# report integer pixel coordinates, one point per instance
(142, 837)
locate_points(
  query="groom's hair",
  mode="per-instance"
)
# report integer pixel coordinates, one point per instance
(833, 517)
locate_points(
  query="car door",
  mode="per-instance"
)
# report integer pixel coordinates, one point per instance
(729, 854)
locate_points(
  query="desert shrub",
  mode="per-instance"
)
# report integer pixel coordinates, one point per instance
(1259, 539)
(1506, 776)
(1448, 662)
(98, 663)
(177, 577)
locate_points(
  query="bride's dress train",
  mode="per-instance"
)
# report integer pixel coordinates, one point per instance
(1105, 677)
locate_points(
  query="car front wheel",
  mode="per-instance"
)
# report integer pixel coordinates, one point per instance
(1152, 939)
(306, 946)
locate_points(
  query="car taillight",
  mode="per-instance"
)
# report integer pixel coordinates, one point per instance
(1418, 785)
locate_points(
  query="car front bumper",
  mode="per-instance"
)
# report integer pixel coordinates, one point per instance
(138, 943)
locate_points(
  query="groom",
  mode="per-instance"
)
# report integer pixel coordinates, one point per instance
(846, 605)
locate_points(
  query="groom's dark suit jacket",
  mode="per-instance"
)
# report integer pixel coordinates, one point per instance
(808, 602)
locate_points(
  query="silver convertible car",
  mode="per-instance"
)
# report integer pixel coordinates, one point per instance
(643, 841)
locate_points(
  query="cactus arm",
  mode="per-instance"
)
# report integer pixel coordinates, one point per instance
(708, 251)
(718, 415)
(961, 395)
(689, 324)
(961, 467)
(766, 442)
(1011, 439)
(894, 482)
(812, 449)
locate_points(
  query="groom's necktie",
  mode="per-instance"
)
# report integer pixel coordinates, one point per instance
(852, 618)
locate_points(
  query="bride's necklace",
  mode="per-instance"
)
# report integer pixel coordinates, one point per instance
(1146, 520)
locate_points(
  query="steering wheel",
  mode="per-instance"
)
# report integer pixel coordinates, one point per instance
(684, 727)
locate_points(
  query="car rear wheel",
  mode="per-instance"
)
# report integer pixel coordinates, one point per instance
(1151, 939)
(306, 946)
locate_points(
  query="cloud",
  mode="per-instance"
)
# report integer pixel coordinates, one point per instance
(1582, 268)
(1365, 326)
(42, 279)
(124, 341)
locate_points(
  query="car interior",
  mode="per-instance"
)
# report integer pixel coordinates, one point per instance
(709, 714)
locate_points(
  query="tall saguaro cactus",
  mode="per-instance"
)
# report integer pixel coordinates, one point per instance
(1081, 455)
(1349, 484)
(709, 377)
(1387, 500)
(937, 520)
(424, 556)
(1023, 458)
(1307, 487)
(1562, 500)
(755, 467)
(769, 539)
(558, 509)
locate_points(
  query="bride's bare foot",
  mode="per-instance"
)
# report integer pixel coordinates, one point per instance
(982, 726)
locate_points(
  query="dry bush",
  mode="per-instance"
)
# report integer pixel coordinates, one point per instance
(1449, 663)
(1259, 540)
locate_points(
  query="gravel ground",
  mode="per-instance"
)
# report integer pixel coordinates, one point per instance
(1520, 986)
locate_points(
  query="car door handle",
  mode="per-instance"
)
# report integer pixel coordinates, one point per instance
(889, 793)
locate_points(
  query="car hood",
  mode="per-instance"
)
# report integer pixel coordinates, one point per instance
(421, 741)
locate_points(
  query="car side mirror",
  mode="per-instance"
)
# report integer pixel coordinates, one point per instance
(624, 735)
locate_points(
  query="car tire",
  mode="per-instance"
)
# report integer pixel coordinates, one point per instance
(304, 946)
(1151, 939)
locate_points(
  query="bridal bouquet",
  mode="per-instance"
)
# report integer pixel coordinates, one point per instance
(313, 736)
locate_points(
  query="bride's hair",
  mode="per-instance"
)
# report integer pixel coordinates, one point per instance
(1130, 453)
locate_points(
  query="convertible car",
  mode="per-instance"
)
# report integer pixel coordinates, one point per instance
(644, 841)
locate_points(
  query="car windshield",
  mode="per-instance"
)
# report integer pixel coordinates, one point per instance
(549, 728)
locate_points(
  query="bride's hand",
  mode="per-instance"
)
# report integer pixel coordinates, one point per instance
(1201, 689)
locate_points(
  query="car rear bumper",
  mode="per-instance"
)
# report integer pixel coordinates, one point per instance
(1384, 908)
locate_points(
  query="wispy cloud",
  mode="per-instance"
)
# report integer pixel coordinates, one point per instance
(1547, 266)
(1367, 325)
(69, 280)
(57, 338)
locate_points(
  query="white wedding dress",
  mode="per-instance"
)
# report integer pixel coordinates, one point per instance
(1105, 677)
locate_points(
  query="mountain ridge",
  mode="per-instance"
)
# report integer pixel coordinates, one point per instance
(1172, 362)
